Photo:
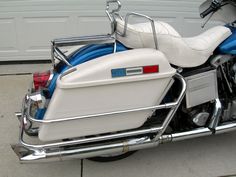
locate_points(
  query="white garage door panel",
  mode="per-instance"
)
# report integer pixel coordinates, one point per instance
(93, 25)
(26, 27)
(7, 28)
(194, 26)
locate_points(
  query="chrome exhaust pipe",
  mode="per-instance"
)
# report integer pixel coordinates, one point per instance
(215, 119)
(185, 135)
(197, 133)
(79, 152)
(226, 128)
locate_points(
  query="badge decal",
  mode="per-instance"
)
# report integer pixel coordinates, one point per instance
(122, 72)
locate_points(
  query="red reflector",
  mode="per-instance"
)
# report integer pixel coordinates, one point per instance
(151, 69)
(41, 79)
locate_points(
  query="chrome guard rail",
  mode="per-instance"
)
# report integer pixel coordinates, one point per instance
(163, 106)
(153, 130)
(143, 16)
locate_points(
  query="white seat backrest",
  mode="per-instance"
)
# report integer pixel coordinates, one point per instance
(162, 28)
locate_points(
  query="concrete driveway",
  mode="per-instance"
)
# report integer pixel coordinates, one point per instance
(208, 156)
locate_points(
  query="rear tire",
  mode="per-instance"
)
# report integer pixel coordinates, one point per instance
(112, 157)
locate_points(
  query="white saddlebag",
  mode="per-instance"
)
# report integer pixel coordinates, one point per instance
(94, 88)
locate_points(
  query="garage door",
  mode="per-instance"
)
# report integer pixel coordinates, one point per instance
(27, 26)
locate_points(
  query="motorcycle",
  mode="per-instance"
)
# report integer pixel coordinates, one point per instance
(108, 96)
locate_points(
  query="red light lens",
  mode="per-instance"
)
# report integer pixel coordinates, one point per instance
(41, 79)
(151, 69)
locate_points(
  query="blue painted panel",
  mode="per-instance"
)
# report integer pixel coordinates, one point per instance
(229, 45)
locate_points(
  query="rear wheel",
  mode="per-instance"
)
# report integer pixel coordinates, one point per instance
(113, 157)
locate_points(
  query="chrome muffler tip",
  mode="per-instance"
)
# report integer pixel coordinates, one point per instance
(18, 115)
(27, 155)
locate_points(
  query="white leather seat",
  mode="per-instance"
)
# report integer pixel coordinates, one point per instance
(182, 52)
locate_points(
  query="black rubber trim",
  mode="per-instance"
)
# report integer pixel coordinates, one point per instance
(16, 62)
(15, 74)
(112, 158)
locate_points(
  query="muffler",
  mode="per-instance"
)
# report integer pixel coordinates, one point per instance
(80, 152)
(86, 151)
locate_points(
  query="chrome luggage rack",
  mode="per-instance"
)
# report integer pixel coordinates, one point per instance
(56, 53)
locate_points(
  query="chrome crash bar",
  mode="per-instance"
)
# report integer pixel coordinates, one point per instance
(24, 117)
(120, 146)
(44, 155)
(80, 148)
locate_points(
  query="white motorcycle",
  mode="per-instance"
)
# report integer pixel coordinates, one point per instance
(108, 96)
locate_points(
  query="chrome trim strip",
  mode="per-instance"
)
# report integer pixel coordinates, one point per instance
(71, 70)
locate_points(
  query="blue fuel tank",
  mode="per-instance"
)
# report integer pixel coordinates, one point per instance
(229, 45)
